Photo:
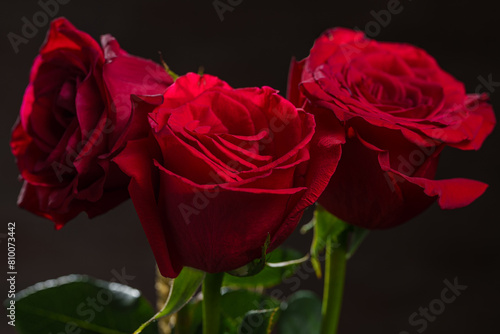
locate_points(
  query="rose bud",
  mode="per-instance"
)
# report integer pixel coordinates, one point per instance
(223, 169)
(399, 110)
(75, 117)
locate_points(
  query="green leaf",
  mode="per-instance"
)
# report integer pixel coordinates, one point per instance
(236, 304)
(302, 314)
(182, 290)
(260, 321)
(80, 304)
(272, 274)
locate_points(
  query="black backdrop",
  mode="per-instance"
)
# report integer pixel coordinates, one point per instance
(396, 271)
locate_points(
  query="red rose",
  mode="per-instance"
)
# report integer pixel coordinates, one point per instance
(73, 120)
(399, 110)
(221, 170)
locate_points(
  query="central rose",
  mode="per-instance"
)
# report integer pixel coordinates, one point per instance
(221, 170)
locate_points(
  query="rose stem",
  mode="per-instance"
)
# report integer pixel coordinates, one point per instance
(335, 269)
(211, 303)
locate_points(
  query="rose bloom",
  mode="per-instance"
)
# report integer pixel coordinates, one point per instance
(74, 118)
(221, 170)
(399, 110)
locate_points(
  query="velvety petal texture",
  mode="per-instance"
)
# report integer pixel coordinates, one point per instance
(398, 109)
(221, 169)
(76, 116)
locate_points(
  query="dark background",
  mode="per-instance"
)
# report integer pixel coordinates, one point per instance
(395, 271)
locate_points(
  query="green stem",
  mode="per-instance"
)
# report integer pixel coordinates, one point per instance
(334, 283)
(211, 303)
